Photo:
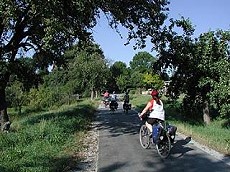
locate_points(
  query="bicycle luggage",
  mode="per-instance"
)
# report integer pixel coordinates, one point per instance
(156, 133)
(172, 132)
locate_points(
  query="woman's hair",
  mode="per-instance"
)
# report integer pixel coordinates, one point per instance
(154, 93)
(155, 96)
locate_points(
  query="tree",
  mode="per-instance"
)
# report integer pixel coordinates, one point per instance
(118, 68)
(48, 28)
(87, 68)
(16, 95)
(214, 63)
(142, 62)
(119, 73)
(153, 81)
(137, 80)
(123, 82)
(198, 68)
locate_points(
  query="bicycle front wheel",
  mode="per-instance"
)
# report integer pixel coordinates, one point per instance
(164, 146)
(144, 136)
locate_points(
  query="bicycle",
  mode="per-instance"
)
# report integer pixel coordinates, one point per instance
(106, 102)
(163, 142)
(113, 105)
(126, 107)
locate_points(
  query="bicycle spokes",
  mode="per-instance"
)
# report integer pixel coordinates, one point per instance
(164, 146)
(144, 137)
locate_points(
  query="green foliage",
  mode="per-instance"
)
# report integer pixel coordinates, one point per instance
(46, 141)
(88, 70)
(199, 67)
(43, 98)
(153, 81)
(47, 29)
(142, 62)
(137, 79)
(142, 71)
(51, 27)
(82, 73)
(16, 96)
(26, 71)
(120, 77)
(214, 63)
(118, 68)
(123, 82)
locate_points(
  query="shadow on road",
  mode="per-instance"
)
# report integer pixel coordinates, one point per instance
(118, 123)
(115, 166)
(180, 148)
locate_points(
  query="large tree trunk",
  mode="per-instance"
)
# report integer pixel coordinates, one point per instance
(140, 90)
(4, 118)
(92, 94)
(206, 115)
(96, 93)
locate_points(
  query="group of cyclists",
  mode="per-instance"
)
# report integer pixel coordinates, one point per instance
(152, 114)
(154, 106)
(111, 100)
(153, 111)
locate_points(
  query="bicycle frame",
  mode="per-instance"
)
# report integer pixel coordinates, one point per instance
(163, 146)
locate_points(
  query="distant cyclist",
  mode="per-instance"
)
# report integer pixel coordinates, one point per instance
(106, 95)
(106, 98)
(126, 101)
(126, 97)
(113, 98)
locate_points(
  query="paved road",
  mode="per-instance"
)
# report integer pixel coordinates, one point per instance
(120, 150)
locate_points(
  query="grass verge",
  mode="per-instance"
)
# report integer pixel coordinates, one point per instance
(47, 141)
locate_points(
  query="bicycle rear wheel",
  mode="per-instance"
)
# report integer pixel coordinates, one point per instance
(144, 136)
(164, 146)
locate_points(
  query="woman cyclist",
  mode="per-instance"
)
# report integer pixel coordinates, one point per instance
(156, 109)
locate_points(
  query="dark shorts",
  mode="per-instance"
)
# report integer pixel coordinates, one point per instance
(152, 120)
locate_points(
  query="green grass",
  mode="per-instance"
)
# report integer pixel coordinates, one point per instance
(213, 135)
(46, 141)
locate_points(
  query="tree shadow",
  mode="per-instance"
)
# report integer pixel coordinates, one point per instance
(113, 167)
(121, 124)
(180, 147)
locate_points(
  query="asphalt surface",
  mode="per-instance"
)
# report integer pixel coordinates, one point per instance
(119, 149)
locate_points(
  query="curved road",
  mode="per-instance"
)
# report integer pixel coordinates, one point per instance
(120, 150)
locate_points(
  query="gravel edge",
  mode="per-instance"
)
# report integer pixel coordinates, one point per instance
(90, 152)
(212, 152)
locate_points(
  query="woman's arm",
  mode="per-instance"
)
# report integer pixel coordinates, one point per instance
(145, 109)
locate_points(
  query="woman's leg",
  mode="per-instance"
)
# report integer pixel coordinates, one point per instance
(149, 123)
(150, 127)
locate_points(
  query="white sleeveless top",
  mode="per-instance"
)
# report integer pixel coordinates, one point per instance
(157, 111)
(114, 97)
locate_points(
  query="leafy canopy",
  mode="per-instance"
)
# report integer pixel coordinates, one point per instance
(200, 67)
(47, 28)
(143, 62)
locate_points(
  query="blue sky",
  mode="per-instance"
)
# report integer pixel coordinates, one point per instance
(205, 15)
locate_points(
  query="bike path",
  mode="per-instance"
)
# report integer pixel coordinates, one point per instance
(120, 150)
